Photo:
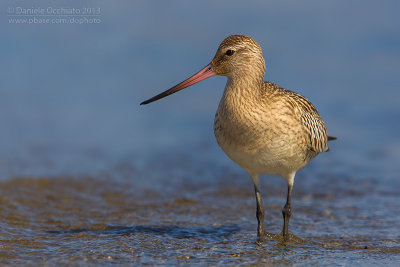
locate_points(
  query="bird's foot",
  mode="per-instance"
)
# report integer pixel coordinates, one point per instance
(260, 237)
(285, 236)
(290, 238)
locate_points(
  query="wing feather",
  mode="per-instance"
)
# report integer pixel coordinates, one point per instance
(311, 120)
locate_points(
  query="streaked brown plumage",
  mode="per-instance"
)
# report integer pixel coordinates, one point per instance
(262, 127)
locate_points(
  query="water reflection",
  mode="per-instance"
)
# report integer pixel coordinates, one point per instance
(170, 231)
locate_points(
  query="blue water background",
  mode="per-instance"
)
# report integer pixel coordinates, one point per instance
(70, 93)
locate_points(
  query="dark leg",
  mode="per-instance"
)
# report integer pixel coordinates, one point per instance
(259, 213)
(287, 212)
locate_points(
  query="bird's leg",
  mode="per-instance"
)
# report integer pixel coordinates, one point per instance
(259, 213)
(286, 212)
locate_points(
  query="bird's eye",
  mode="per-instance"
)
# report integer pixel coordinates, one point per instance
(229, 52)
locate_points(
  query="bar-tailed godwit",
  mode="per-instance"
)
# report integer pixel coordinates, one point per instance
(262, 127)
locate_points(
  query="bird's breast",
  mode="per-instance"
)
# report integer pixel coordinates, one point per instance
(259, 138)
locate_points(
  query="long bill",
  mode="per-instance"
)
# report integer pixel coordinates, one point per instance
(203, 74)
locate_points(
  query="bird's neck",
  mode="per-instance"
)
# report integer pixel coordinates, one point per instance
(240, 100)
(245, 88)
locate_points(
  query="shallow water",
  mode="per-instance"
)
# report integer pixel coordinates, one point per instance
(87, 176)
(125, 216)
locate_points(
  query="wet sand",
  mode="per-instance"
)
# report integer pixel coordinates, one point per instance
(127, 217)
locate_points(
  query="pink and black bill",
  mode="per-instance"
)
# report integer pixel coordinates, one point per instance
(203, 74)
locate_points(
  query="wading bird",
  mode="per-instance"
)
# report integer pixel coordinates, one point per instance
(262, 127)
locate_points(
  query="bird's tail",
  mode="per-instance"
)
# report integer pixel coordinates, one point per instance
(331, 138)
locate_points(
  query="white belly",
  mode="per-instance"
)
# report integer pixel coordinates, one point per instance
(276, 159)
(261, 148)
